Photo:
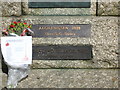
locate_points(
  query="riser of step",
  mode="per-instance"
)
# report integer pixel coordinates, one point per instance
(20, 7)
(104, 39)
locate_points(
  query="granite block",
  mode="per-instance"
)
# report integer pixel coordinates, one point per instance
(58, 11)
(108, 8)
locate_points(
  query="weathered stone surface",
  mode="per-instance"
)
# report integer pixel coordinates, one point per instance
(71, 78)
(104, 38)
(108, 7)
(11, 8)
(59, 11)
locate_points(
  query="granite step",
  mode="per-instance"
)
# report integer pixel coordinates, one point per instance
(104, 39)
(71, 78)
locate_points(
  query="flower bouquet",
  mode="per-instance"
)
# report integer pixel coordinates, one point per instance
(18, 29)
(16, 46)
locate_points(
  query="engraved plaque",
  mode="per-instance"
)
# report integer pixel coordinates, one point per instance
(59, 3)
(62, 30)
(62, 52)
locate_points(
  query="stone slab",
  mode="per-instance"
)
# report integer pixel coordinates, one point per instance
(104, 38)
(58, 11)
(108, 8)
(71, 78)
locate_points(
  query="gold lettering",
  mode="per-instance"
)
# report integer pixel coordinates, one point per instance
(69, 34)
(59, 33)
(76, 28)
(53, 33)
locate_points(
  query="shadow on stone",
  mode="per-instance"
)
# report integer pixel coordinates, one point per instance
(4, 67)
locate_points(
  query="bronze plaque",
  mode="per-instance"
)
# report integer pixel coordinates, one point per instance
(62, 30)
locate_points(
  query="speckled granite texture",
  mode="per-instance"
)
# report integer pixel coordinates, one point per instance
(108, 7)
(11, 9)
(71, 78)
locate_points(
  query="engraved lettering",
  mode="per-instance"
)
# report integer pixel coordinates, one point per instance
(53, 28)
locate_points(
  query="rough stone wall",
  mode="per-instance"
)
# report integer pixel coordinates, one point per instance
(100, 72)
